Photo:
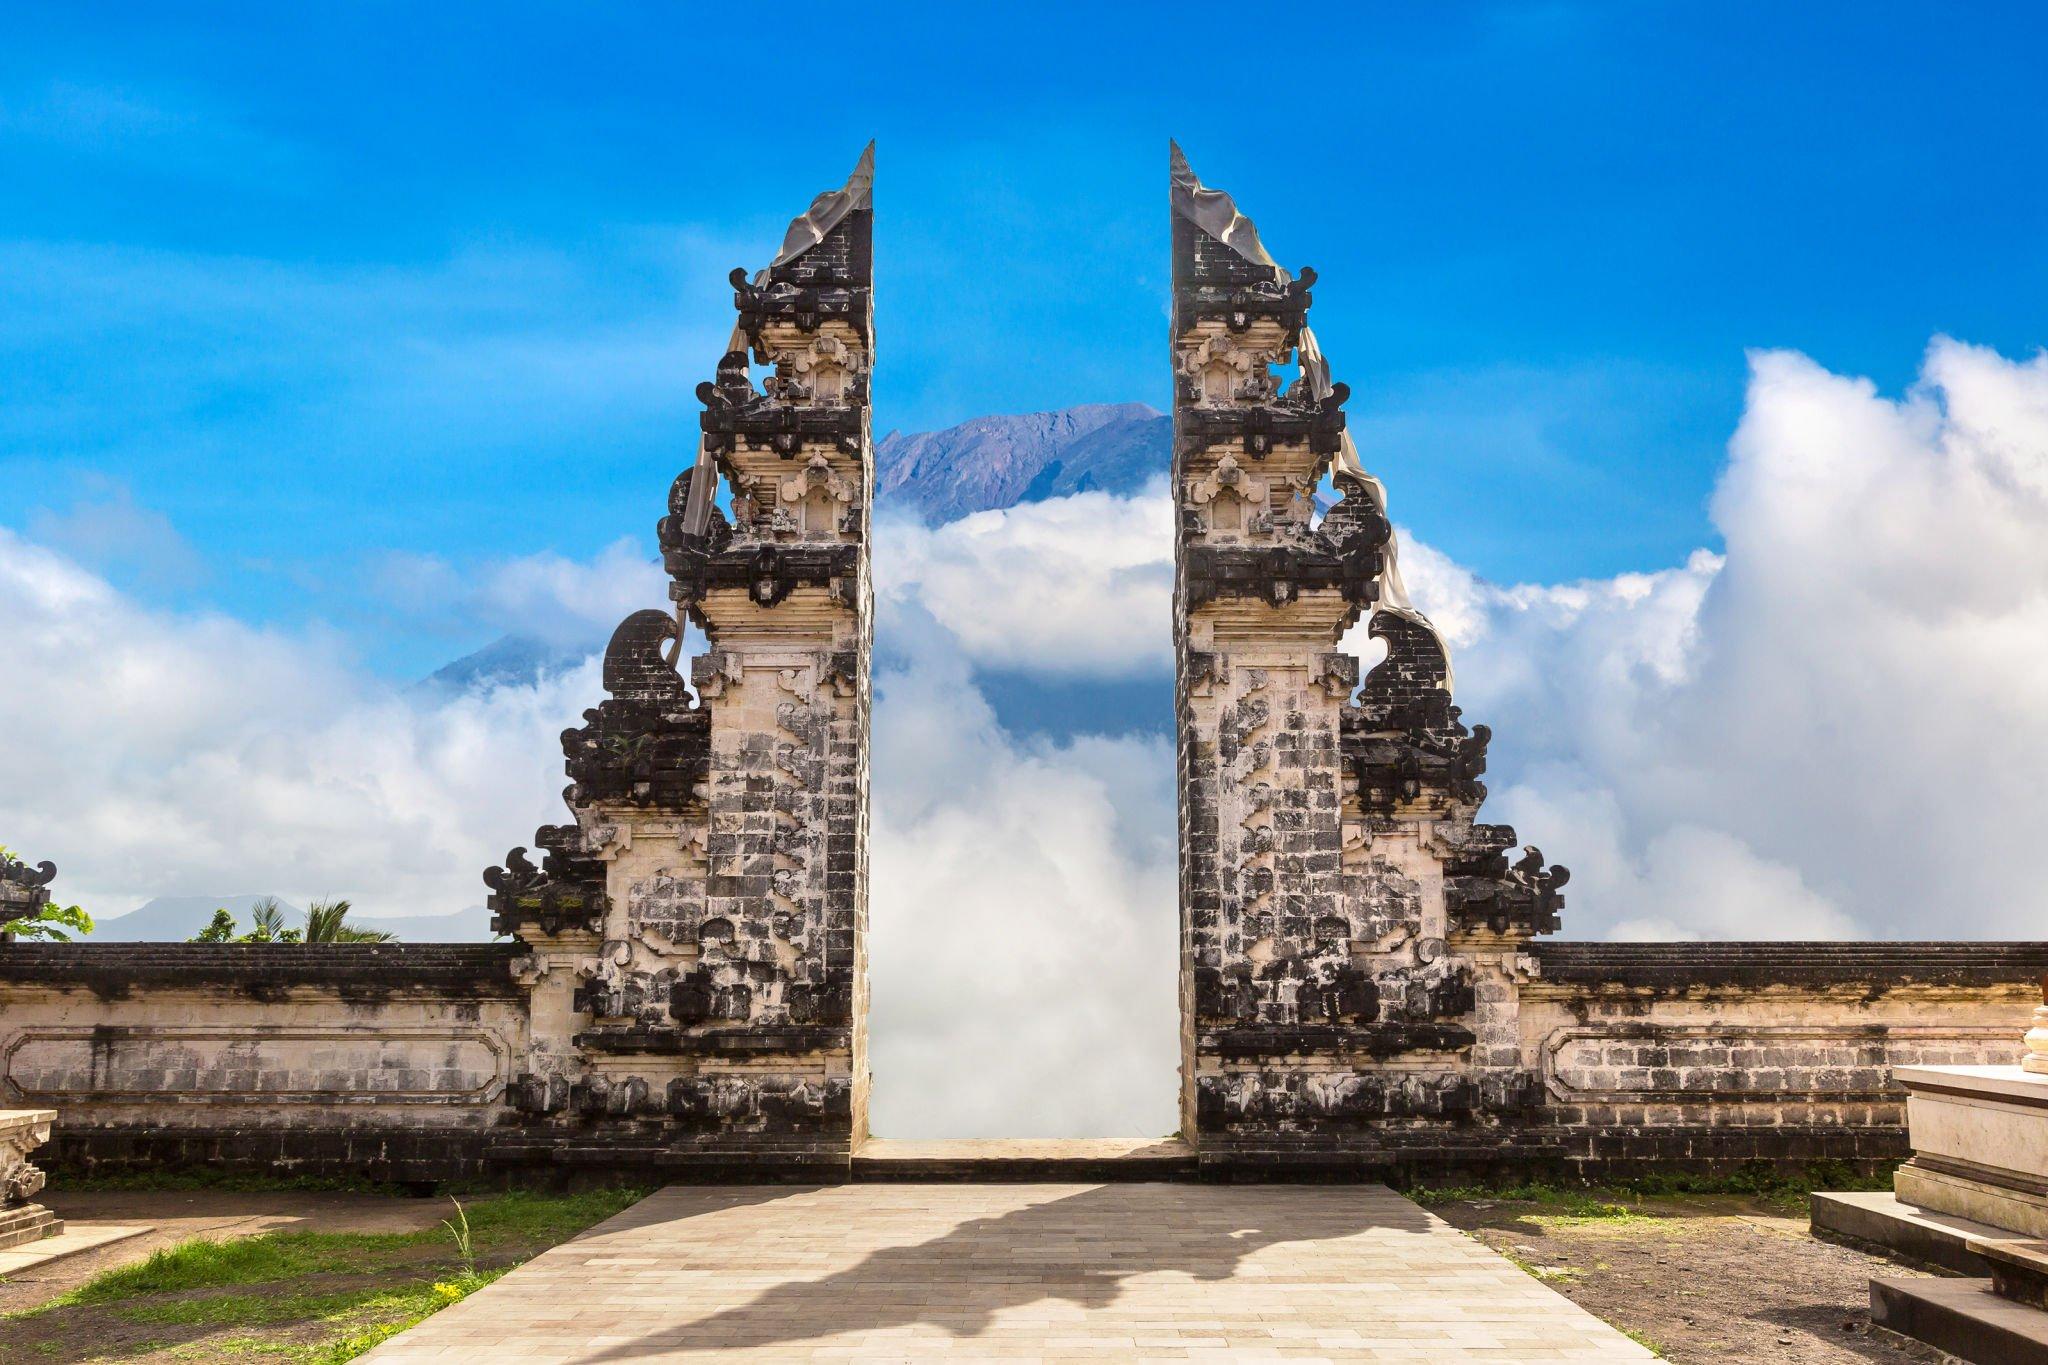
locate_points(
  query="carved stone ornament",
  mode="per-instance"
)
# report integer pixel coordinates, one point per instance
(24, 890)
(21, 1132)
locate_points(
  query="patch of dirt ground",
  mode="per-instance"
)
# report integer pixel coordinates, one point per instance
(1701, 1278)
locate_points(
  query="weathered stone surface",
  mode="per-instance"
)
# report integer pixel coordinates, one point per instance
(21, 1132)
(21, 1180)
(391, 1061)
(696, 936)
(24, 890)
(1980, 1144)
(1350, 936)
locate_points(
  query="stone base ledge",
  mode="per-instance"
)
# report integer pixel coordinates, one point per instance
(26, 1223)
(1963, 1318)
(1980, 1144)
(1981, 1200)
(1986, 1084)
(1879, 1218)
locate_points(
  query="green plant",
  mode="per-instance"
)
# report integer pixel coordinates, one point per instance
(1612, 1200)
(1645, 1342)
(267, 919)
(458, 1228)
(53, 924)
(326, 922)
(220, 930)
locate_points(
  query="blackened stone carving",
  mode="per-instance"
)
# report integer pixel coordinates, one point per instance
(1279, 574)
(732, 410)
(1317, 423)
(1484, 892)
(649, 745)
(1356, 528)
(565, 894)
(24, 890)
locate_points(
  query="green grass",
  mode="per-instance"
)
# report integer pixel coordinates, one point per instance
(351, 1290)
(1616, 1200)
(1648, 1345)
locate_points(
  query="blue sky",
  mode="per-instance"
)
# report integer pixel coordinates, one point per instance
(291, 297)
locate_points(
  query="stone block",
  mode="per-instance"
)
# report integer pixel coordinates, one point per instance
(1963, 1318)
(22, 1220)
(1980, 1144)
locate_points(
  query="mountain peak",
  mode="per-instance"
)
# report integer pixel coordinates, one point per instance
(1002, 460)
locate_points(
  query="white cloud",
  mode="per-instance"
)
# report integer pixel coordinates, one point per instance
(1837, 728)
(1077, 586)
(1023, 927)
(550, 597)
(152, 753)
(108, 529)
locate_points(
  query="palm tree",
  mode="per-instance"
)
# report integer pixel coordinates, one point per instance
(268, 916)
(325, 924)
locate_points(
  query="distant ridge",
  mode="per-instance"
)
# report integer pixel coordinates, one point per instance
(990, 462)
(509, 660)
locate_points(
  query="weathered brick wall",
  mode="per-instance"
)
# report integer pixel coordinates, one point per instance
(388, 1061)
(1703, 1055)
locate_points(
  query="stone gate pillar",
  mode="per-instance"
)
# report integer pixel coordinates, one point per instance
(698, 935)
(1349, 937)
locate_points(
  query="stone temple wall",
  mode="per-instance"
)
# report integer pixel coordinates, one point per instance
(1698, 1056)
(391, 1061)
(697, 936)
(1364, 987)
(400, 1062)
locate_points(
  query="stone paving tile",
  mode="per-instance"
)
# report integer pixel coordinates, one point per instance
(1127, 1271)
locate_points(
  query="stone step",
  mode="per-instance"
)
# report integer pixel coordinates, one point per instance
(2019, 1268)
(1962, 1317)
(67, 1242)
(1882, 1219)
(25, 1223)
(1025, 1159)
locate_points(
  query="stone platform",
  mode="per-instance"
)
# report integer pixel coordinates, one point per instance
(1881, 1218)
(1963, 1319)
(1129, 1272)
(1037, 1160)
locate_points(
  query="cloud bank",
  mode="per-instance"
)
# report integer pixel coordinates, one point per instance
(152, 752)
(1831, 727)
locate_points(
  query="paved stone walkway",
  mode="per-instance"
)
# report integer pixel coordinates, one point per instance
(1016, 1272)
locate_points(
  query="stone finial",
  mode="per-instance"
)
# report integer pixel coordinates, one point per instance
(24, 890)
(2035, 1059)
